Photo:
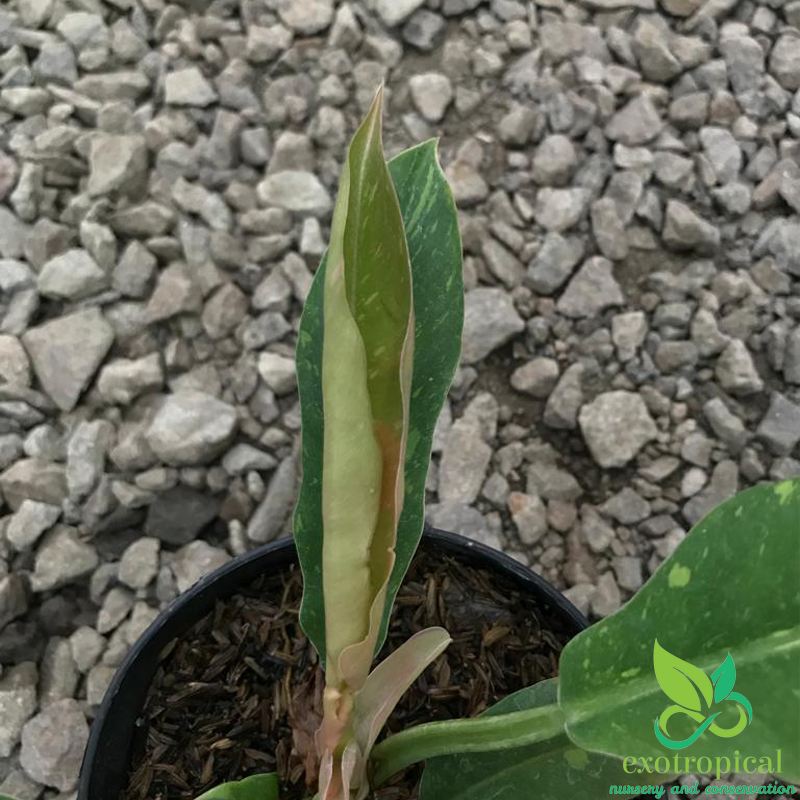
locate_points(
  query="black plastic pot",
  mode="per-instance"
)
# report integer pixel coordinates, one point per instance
(107, 758)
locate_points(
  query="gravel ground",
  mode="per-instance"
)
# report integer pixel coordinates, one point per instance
(628, 174)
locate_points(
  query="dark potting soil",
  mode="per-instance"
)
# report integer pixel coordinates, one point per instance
(241, 692)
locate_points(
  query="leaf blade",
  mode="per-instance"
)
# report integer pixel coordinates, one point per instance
(256, 787)
(755, 617)
(390, 680)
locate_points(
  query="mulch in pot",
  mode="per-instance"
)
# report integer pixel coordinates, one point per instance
(241, 692)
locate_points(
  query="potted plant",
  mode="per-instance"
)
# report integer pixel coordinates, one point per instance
(377, 348)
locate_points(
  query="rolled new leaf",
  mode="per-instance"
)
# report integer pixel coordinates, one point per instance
(366, 381)
(431, 225)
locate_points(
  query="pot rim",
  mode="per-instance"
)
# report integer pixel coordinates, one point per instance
(203, 592)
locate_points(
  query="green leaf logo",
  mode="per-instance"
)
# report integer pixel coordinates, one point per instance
(724, 677)
(681, 681)
(685, 684)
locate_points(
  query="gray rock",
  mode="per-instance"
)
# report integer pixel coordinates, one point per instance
(554, 262)
(561, 411)
(13, 599)
(466, 183)
(554, 161)
(465, 520)
(706, 334)
(272, 518)
(736, 372)
(723, 152)
(117, 604)
(87, 646)
(784, 61)
(59, 678)
(529, 515)
(67, 351)
(224, 311)
(538, 377)
(560, 209)
(139, 564)
(18, 703)
(653, 49)
(550, 482)
(744, 59)
(134, 272)
(10, 449)
(117, 163)
(465, 459)
(191, 427)
(61, 559)
(723, 485)
(791, 359)
(188, 87)
(296, 191)
(122, 380)
(596, 532)
(616, 425)
(490, 320)
(53, 743)
(194, 561)
(628, 570)
(607, 598)
(393, 12)
(608, 229)
(306, 17)
(72, 275)
(628, 332)
(685, 230)
(266, 43)
(592, 290)
(176, 292)
(503, 265)
(33, 479)
(780, 427)
(97, 682)
(637, 123)
(243, 458)
(431, 93)
(86, 456)
(423, 30)
(675, 356)
(627, 507)
(18, 784)
(178, 515)
(15, 366)
(726, 425)
(278, 372)
(30, 521)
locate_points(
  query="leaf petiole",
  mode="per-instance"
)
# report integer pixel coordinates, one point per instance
(479, 735)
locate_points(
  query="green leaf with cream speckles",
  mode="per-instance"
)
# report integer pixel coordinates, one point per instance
(431, 225)
(256, 787)
(731, 587)
(549, 770)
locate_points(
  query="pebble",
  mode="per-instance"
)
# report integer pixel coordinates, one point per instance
(191, 427)
(616, 425)
(53, 743)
